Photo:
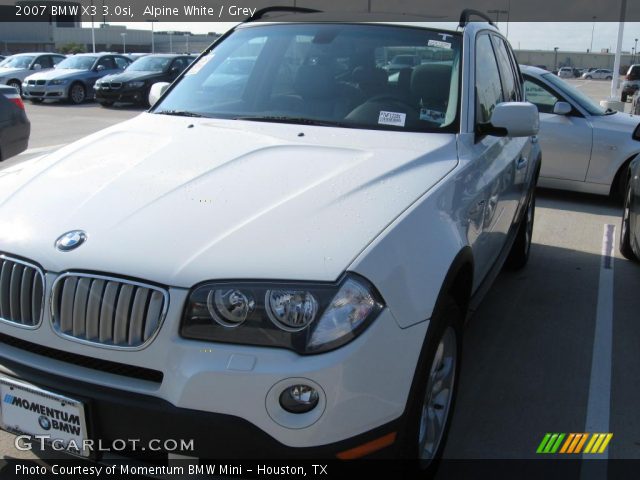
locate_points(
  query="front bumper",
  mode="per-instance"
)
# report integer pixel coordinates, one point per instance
(142, 420)
(364, 385)
(44, 91)
(136, 95)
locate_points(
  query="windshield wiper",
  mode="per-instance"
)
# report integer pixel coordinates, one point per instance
(179, 113)
(293, 120)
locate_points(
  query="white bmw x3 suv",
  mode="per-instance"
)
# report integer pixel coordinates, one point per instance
(275, 261)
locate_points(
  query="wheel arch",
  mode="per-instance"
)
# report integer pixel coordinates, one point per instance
(616, 189)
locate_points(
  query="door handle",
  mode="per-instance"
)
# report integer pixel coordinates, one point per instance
(521, 163)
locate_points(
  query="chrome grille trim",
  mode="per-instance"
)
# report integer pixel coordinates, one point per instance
(22, 290)
(108, 312)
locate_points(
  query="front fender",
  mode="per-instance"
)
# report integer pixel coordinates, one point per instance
(409, 261)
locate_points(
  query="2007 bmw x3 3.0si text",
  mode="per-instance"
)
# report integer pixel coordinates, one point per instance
(281, 251)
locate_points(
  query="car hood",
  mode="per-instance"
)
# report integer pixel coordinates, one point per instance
(179, 200)
(57, 74)
(617, 121)
(133, 75)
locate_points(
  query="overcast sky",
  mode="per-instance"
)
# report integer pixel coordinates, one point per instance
(531, 36)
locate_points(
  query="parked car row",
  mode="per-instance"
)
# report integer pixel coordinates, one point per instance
(76, 78)
(14, 124)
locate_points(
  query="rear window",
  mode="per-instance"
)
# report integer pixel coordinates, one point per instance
(634, 73)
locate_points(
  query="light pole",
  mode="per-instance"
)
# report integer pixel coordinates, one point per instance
(555, 58)
(124, 42)
(170, 42)
(635, 51)
(153, 45)
(93, 32)
(593, 27)
(186, 36)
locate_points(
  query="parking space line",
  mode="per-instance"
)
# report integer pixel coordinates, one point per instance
(599, 402)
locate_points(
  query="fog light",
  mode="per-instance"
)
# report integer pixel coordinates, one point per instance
(299, 399)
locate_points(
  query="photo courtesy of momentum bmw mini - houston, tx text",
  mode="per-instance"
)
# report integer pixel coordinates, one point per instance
(256, 253)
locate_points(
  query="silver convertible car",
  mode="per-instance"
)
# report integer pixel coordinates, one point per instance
(586, 147)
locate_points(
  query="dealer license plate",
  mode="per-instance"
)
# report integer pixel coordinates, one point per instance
(30, 410)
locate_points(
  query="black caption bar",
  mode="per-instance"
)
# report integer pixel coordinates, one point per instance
(338, 10)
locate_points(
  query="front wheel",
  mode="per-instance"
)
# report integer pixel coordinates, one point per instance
(625, 232)
(16, 84)
(106, 103)
(432, 396)
(77, 93)
(609, 78)
(519, 254)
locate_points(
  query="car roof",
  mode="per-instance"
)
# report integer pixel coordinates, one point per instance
(533, 70)
(35, 53)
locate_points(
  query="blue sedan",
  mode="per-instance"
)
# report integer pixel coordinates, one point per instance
(73, 78)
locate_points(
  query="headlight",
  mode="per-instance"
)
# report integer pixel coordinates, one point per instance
(139, 84)
(59, 82)
(304, 317)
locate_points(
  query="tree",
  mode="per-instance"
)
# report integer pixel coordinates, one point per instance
(72, 48)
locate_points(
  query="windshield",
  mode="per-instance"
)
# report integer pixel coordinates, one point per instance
(19, 61)
(574, 94)
(328, 74)
(77, 63)
(150, 64)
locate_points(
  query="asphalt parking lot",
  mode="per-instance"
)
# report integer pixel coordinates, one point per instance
(532, 360)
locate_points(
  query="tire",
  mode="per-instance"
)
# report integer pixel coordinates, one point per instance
(432, 397)
(589, 77)
(623, 97)
(15, 84)
(519, 254)
(106, 103)
(625, 232)
(35, 101)
(609, 78)
(77, 93)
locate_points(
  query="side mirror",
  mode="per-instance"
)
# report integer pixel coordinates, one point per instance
(514, 119)
(100, 68)
(562, 108)
(156, 91)
(36, 66)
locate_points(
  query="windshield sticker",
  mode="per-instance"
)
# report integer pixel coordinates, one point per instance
(392, 118)
(432, 116)
(198, 66)
(438, 43)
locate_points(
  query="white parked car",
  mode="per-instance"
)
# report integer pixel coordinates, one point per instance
(586, 148)
(566, 72)
(282, 269)
(16, 68)
(599, 74)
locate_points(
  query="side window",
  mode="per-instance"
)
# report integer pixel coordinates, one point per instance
(121, 63)
(178, 65)
(488, 86)
(509, 83)
(57, 60)
(44, 61)
(107, 63)
(540, 97)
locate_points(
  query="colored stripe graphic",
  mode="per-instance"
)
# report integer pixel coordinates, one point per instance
(573, 443)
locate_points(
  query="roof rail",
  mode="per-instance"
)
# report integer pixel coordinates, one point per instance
(265, 11)
(468, 12)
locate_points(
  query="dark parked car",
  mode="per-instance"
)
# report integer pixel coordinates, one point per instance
(632, 82)
(630, 232)
(14, 124)
(134, 83)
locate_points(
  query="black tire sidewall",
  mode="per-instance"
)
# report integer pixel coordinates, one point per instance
(447, 313)
(74, 85)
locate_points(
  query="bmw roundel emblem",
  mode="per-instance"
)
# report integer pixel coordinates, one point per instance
(71, 240)
(44, 422)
